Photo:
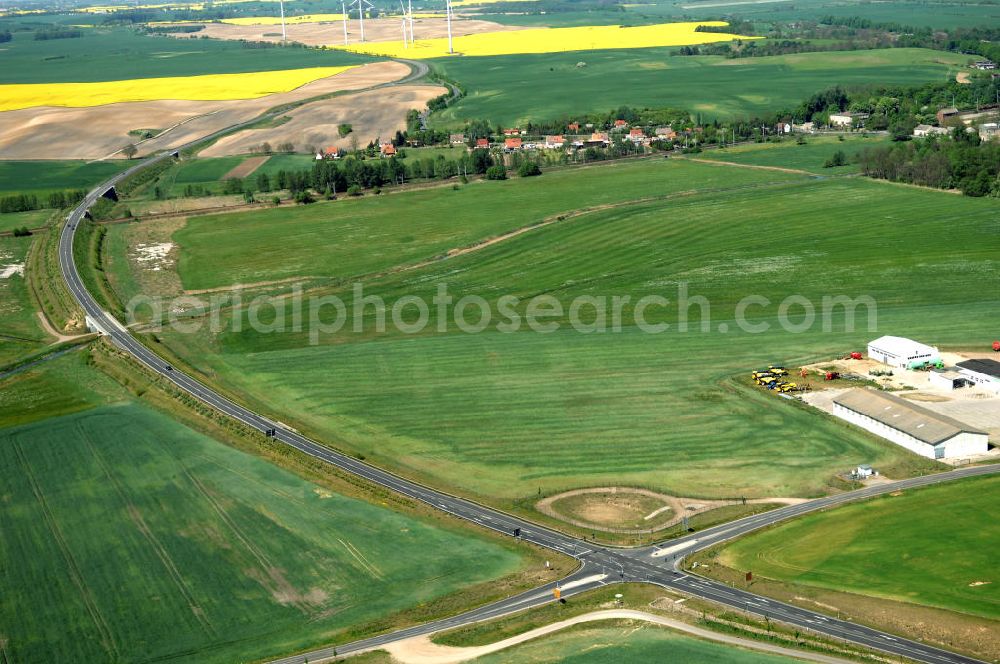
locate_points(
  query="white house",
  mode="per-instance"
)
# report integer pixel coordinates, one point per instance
(909, 425)
(900, 352)
(848, 119)
(930, 130)
(983, 373)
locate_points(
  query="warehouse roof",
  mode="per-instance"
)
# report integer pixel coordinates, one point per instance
(901, 346)
(988, 367)
(923, 424)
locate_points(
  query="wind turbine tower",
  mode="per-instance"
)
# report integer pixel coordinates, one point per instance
(343, 10)
(451, 48)
(284, 37)
(410, 14)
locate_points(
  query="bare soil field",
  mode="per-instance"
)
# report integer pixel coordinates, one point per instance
(246, 167)
(629, 510)
(100, 132)
(376, 30)
(374, 114)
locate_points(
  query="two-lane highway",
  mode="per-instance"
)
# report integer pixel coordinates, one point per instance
(598, 565)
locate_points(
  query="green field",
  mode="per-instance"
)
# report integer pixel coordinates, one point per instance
(130, 537)
(352, 237)
(511, 89)
(20, 332)
(108, 54)
(509, 416)
(626, 641)
(919, 13)
(41, 177)
(809, 156)
(934, 546)
(30, 219)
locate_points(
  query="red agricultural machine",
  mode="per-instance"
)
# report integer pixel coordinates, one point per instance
(996, 346)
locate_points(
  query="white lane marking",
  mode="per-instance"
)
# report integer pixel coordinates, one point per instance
(676, 547)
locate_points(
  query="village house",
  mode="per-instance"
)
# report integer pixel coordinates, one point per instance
(989, 131)
(848, 119)
(387, 150)
(984, 65)
(598, 139)
(665, 133)
(482, 144)
(512, 144)
(513, 131)
(331, 153)
(554, 142)
(637, 135)
(573, 126)
(457, 139)
(620, 125)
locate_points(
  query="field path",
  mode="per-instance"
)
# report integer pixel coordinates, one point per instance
(421, 650)
(720, 162)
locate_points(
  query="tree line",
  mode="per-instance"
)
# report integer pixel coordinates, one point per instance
(27, 202)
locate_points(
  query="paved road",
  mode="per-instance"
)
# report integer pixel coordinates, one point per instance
(598, 565)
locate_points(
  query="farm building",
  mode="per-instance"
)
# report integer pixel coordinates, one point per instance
(984, 373)
(900, 352)
(984, 65)
(947, 379)
(946, 114)
(848, 119)
(909, 425)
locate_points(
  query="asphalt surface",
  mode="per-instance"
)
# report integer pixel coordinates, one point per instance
(660, 565)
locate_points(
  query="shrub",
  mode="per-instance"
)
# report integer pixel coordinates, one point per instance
(838, 159)
(354, 190)
(529, 169)
(22, 232)
(498, 172)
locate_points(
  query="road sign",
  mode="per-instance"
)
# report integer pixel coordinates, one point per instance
(556, 592)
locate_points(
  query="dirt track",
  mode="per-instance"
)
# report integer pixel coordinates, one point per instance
(98, 132)
(421, 650)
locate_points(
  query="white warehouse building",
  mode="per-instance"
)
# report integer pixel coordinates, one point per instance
(909, 425)
(899, 352)
(983, 373)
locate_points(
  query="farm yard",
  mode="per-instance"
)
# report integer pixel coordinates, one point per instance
(110, 503)
(555, 417)
(517, 88)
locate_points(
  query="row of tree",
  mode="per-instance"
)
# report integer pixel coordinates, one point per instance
(27, 202)
(959, 161)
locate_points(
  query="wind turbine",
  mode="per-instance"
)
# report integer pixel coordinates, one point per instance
(402, 11)
(343, 10)
(409, 4)
(284, 37)
(451, 48)
(362, 6)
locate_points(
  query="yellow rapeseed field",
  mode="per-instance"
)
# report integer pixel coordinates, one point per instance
(211, 87)
(551, 40)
